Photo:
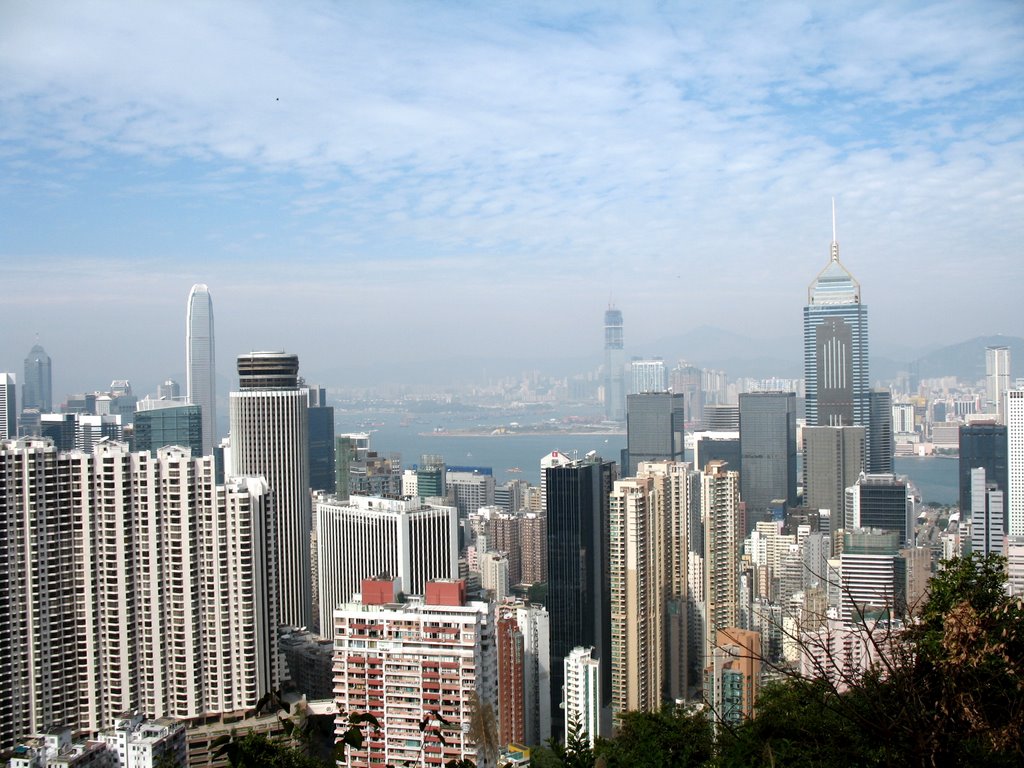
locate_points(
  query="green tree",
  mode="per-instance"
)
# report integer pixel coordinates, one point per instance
(255, 750)
(948, 690)
(575, 753)
(675, 737)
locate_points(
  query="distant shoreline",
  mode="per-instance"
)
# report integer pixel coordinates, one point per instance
(555, 433)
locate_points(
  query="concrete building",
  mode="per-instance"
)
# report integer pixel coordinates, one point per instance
(767, 451)
(655, 424)
(135, 742)
(987, 514)
(8, 407)
(201, 361)
(402, 662)
(367, 536)
(524, 674)
(997, 381)
(638, 527)
(733, 675)
(873, 576)
(614, 366)
(270, 437)
(582, 697)
(648, 375)
(150, 587)
(470, 488)
(1015, 462)
(833, 460)
(720, 510)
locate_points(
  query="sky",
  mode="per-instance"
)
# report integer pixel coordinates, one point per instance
(383, 186)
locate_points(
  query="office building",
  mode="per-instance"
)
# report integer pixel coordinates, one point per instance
(37, 386)
(986, 514)
(322, 462)
(430, 477)
(553, 459)
(648, 375)
(431, 656)
(578, 600)
(767, 451)
(655, 422)
(614, 366)
(200, 361)
(365, 536)
(720, 510)
(470, 488)
(581, 671)
(8, 407)
(270, 437)
(997, 380)
(982, 444)
(168, 390)
(881, 501)
(716, 446)
(881, 448)
(358, 470)
(173, 423)
(836, 348)
(721, 418)
(833, 460)
(873, 576)
(1015, 462)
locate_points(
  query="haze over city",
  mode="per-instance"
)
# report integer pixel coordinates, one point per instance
(386, 187)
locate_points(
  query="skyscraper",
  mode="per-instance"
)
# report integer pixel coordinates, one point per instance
(833, 460)
(836, 348)
(1015, 462)
(997, 380)
(720, 502)
(614, 366)
(881, 449)
(982, 444)
(578, 598)
(881, 501)
(648, 375)
(200, 361)
(270, 437)
(654, 428)
(986, 514)
(8, 407)
(37, 387)
(767, 451)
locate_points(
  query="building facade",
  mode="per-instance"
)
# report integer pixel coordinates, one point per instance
(655, 422)
(270, 437)
(767, 451)
(614, 366)
(201, 361)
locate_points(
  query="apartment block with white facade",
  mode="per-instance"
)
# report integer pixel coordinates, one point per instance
(408, 663)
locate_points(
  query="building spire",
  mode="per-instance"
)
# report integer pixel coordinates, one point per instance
(835, 245)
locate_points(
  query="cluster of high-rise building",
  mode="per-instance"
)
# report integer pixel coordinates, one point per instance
(162, 581)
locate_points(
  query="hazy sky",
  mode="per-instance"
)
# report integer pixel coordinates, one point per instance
(359, 182)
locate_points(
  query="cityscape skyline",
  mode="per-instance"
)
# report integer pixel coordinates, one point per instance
(677, 162)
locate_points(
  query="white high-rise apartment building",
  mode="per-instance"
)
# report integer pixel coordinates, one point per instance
(997, 380)
(200, 361)
(435, 656)
(637, 573)
(365, 536)
(720, 505)
(135, 583)
(270, 437)
(8, 407)
(582, 694)
(1015, 460)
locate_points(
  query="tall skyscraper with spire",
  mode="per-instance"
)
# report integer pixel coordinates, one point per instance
(614, 366)
(37, 386)
(200, 368)
(836, 348)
